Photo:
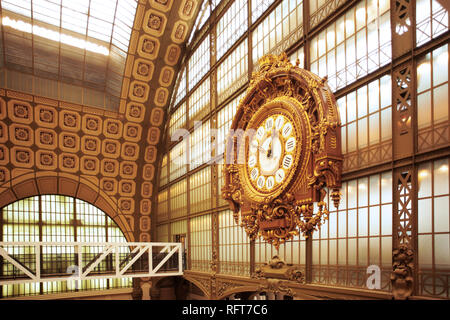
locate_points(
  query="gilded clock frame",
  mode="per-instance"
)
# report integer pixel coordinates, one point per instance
(308, 102)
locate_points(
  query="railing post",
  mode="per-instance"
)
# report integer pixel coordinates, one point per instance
(37, 252)
(150, 259)
(117, 259)
(180, 258)
(80, 263)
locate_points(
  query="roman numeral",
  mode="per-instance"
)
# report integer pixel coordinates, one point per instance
(254, 173)
(280, 175)
(287, 161)
(279, 122)
(287, 129)
(252, 161)
(290, 144)
(260, 182)
(270, 183)
(260, 133)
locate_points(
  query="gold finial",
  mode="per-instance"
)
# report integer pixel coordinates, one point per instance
(267, 61)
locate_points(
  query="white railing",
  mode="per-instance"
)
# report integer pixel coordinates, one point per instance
(104, 260)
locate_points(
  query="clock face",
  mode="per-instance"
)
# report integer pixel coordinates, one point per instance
(271, 153)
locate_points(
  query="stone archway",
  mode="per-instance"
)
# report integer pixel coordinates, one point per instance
(202, 285)
(49, 182)
(169, 288)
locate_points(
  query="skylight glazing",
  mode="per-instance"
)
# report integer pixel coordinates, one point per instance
(203, 16)
(104, 20)
(87, 40)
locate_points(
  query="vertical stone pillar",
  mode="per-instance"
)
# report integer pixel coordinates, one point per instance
(279, 296)
(270, 295)
(146, 285)
(137, 291)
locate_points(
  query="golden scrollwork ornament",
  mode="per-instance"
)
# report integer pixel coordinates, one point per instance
(283, 152)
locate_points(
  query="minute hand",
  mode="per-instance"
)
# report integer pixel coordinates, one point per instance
(261, 149)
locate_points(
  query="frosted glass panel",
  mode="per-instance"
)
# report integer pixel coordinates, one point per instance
(362, 222)
(433, 225)
(359, 236)
(366, 116)
(374, 221)
(360, 50)
(425, 251)
(424, 216)
(441, 214)
(441, 177)
(442, 254)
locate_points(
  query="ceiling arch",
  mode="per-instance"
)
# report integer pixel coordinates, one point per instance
(115, 149)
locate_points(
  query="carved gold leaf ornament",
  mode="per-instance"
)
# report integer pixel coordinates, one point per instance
(302, 151)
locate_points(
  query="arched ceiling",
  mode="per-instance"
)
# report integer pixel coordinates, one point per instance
(110, 142)
(79, 50)
(81, 43)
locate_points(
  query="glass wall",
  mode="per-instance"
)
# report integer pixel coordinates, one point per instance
(232, 73)
(366, 115)
(356, 44)
(434, 228)
(199, 63)
(199, 103)
(163, 232)
(432, 98)
(259, 7)
(178, 160)
(234, 253)
(200, 187)
(353, 48)
(178, 120)
(163, 206)
(231, 26)
(163, 176)
(200, 146)
(431, 19)
(178, 199)
(279, 25)
(357, 235)
(200, 242)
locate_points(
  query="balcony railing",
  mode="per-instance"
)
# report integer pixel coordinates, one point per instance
(26, 262)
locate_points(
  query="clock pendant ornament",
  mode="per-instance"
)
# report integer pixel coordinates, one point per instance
(283, 153)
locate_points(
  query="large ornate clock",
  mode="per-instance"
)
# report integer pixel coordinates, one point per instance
(283, 153)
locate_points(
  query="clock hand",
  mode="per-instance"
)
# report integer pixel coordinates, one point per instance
(261, 149)
(273, 136)
(269, 151)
